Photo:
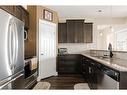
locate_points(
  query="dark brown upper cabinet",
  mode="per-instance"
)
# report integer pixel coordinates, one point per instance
(19, 12)
(88, 32)
(79, 31)
(25, 17)
(70, 31)
(62, 34)
(75, 29)
(9, 9)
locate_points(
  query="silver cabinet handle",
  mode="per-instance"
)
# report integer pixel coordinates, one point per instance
(10, 81)
(90, 70)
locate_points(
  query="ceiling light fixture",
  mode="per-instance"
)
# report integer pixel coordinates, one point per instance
(111, 28)
(99, 10)
(101, 34)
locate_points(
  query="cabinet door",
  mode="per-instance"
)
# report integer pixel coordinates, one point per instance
(18, 12)
(88, 32)
(79, 31)
(75, 31)
(67, 67)
(70, 31)
(85, 70)
(25, 17)
(62, 33)
(70, 63)
(9, 9)
(14, 10)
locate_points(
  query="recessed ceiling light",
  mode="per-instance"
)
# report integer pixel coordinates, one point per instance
(99, 10)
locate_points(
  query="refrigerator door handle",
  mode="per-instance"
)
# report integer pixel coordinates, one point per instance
(10, 44)
(15, 44)
(10, 81)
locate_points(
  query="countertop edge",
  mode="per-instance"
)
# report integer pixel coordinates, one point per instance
(104, 63)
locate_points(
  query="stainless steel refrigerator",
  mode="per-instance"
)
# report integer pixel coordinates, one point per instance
(11, 51)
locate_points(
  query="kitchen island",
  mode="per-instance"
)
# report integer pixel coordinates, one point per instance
(101, 72)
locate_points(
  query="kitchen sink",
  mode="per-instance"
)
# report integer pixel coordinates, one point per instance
(102, 57)
(107, 58)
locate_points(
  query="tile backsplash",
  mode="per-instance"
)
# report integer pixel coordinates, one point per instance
(77, 47)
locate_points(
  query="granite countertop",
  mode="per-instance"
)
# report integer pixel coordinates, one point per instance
(115, 63)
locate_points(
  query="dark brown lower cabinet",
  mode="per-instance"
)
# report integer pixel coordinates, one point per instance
(89, 72)
(97, 75)
(92, 77)
(69, 64)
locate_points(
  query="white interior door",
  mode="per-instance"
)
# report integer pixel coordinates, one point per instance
(47, 49)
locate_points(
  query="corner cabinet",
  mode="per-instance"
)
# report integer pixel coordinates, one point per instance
(75, 31)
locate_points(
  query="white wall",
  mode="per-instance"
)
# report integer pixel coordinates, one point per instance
(109, 36)
(98, 42)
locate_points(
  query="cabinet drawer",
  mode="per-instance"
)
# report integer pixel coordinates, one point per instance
(69, 63)
(66, 70)
(69, 57)
(66, 63)
(71, 69)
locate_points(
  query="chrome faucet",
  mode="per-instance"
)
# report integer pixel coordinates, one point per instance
(110, 50)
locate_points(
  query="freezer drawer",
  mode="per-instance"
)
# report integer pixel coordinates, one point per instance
(16, 83)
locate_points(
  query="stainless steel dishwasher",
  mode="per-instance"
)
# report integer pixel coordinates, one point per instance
(107, 78)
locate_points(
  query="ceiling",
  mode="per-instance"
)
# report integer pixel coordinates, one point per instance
(90, 11)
